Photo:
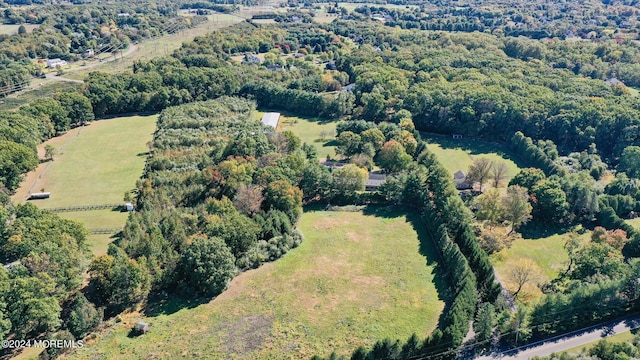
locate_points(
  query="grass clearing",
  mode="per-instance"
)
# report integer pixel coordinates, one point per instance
(96, 164)
(12, 29)
(458, 154)
(311, 131)
(357, 278)
(634, 222)
(100, 243)
(547, 252)
(96, 219)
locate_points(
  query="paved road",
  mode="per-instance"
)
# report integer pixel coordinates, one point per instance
(569, 341)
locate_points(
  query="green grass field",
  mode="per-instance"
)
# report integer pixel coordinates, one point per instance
(355, 279)
(547, 252)
(100, 164)
(634, 222)
(459, 154)
(95, 165)
(11, 29)
(310, 131)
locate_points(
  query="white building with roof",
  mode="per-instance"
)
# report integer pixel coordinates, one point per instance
(271, 119)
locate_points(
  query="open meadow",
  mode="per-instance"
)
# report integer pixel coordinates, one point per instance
(95, 164)
(11, 29)
(313, 131)
(458, 154)
(358, 277)
(547, 252)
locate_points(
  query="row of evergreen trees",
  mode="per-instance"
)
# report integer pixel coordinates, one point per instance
(466, 266)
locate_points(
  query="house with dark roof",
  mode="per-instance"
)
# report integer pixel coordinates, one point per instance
(460, 179)
(374, 181)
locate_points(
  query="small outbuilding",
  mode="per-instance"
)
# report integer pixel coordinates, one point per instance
(128, 206)
(141, 327)
(39, 195)
(271, 119)
(51, 63)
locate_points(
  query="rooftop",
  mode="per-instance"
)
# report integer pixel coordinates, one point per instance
(271, 119)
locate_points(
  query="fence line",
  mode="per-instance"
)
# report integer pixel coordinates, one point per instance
(84, 207)
(105, 231)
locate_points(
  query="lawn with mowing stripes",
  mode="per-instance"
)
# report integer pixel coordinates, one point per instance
(356, 278)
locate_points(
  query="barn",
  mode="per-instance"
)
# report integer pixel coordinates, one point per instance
(271, 119)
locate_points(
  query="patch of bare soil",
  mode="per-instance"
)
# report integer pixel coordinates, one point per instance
(246, 334)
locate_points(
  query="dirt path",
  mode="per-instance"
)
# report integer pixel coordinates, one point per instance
(33, 179)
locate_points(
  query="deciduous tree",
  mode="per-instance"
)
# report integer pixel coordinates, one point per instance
(479, 171)
(489, 206)
(207, 266)
(393, 157)
(248, 199)
(499, 171)
(522, 272)
(516, 207)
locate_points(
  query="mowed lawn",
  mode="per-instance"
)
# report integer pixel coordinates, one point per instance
(100, 164)
(458, 154)
(96, 164)
(354, 280)
(98, 219)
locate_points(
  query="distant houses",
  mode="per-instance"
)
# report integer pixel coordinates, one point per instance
(251, 59)
(271, 119)
(52, 63)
